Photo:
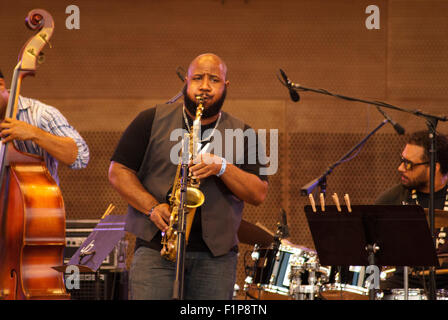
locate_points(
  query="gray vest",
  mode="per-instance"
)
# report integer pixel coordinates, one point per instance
(221, 212)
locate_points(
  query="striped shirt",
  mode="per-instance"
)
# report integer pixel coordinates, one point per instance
(50, 120)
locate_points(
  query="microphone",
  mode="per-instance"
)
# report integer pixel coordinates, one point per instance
(180, 73)
(400, 130)
(397, 127)
(292, 93)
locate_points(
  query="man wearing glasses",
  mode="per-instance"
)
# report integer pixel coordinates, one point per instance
(414, 188)
(414, 170)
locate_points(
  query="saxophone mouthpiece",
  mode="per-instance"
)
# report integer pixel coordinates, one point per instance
(200, 98)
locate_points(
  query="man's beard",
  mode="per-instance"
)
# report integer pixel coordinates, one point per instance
(208, 112)
(420, 182)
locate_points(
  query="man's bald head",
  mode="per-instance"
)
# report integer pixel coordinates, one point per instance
(209, 59)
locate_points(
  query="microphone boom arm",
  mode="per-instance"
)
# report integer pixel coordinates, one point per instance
(321, 180)
(417, 112)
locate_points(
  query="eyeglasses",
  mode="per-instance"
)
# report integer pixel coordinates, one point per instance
(409, 165)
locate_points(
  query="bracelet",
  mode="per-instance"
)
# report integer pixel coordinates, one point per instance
(152, 209)
(223, 167)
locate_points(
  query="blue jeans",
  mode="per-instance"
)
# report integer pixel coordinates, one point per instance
(206, 277)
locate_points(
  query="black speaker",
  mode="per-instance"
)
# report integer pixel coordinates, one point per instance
(102, 285)
(110, 282)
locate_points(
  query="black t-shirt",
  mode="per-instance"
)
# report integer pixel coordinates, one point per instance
(439, 199)
(400, 195)
(130, 153)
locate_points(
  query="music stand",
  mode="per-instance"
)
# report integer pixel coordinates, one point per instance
(372, 235)
(97, 246)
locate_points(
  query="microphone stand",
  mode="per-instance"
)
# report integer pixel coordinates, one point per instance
(282, 230)
(178, 286)
(321, 181)
(431, 121)
(432, 124)
(181, 74)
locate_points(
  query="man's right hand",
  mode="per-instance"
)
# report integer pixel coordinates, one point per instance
(160, 216)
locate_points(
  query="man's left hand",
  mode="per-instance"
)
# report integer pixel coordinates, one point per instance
(12, 129)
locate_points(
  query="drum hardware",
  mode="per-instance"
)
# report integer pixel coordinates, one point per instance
(406, 282)
(276, 266)
(309, 291)
(271, 280)
(283, 270)
(255, 254)
(236, 290)
(271, 274)
(282, 227)
(248, 281)
(442, 294)
(413, 294)
(387, 272)
(400, 294)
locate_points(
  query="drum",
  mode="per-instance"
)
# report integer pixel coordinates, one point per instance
(413, 294)
(442, 294)
(272, 269)
(398, 294)
(346, 283)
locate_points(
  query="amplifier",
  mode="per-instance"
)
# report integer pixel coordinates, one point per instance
(77, 231)
(104, 285)
(110, 282)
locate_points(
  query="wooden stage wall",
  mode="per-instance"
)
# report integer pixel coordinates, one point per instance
(124, 57)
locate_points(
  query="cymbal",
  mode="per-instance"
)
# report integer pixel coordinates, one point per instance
(440, 218)
(249, 233)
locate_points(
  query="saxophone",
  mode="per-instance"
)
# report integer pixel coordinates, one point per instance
(194, 197)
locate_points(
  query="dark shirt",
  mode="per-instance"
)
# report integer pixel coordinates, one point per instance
(399, 195)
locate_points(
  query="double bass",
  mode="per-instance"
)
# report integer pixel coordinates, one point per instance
(32, 214)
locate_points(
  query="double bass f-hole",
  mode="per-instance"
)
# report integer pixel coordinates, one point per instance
(15, 282)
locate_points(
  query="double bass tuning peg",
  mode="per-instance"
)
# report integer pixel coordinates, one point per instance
(41, 58)
(43, 36)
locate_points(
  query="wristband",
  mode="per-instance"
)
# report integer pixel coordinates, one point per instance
(151, 210)
(223, 168)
